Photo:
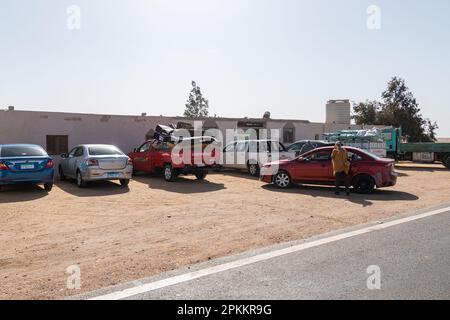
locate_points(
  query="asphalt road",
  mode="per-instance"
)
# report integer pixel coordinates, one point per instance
(413, 260)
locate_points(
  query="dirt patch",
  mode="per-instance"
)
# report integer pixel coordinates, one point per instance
(117, 235)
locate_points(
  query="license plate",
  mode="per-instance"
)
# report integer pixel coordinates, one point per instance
(27, 166)
(113, 175)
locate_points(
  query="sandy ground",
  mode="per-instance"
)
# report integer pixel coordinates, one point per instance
(117, 235)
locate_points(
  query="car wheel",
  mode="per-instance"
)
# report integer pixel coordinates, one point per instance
(282, 180)
(80, 182)
(169, 173)
(201, 175)
(124, 182)
(447, 162)
(62, 177)
(48, 186)
(363, 184)
(253, 169)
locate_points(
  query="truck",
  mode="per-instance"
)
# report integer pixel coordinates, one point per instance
(397, 147)
(156, 156)
(390, 142)
(372, 140)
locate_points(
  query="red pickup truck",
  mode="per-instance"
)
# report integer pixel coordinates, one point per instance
(191, 156)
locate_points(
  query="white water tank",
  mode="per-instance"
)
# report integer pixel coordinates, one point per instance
(338, 111)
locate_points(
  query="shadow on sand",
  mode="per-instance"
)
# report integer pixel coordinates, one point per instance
(181, 185)
(364, 200)
(234, 173)
(21, 193)
(420, 169)
(93, 189)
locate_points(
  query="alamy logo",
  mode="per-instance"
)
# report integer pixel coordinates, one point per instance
(74, 280)
(374, 279)
(73, 17)
(374, 17)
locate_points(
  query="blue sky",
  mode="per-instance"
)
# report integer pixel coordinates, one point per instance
(249, 56)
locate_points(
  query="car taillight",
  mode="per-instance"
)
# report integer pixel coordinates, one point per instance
(49, 164)
(3, 166)
(392, 168)
(92, 162)
(213, 153)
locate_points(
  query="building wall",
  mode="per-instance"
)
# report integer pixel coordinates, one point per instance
(309, 131)
(126, 132)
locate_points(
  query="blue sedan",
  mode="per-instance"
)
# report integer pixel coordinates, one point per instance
(25, 163)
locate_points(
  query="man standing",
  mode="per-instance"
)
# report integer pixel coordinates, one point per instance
(341, 167)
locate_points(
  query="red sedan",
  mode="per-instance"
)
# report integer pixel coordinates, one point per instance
(367, 171)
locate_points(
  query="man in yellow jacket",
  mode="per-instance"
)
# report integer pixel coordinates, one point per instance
(341, 167)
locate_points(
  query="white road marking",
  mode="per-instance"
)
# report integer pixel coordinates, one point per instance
(143, 288)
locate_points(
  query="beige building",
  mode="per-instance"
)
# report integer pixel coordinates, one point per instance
(338, 111)
(58, 132)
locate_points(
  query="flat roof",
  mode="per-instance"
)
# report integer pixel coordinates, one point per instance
(160, 116)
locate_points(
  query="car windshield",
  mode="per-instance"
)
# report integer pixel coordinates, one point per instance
(22, 151)
(104, 151)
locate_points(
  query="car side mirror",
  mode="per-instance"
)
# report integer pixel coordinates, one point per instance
(64, 155)
(135, 150)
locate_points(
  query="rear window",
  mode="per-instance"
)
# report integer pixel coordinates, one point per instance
(22, 151)
(104, 151)
(373, 156)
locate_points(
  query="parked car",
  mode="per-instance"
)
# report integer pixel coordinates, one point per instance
(154, 155)
(252, 154)
(367, 171)
(300, 147)
(25, 163)
(95, 162)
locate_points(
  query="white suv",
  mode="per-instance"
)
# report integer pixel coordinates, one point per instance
(252, 154)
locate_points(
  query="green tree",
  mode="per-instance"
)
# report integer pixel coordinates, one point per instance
(398, 108)
(366, 112)
(431, 128)
(197, 105)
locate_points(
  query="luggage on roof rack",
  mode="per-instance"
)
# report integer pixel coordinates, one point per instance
(163, 133)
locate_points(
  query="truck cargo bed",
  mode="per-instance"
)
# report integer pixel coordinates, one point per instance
(424, 147)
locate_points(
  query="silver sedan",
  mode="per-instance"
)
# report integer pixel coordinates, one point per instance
(94, 162)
